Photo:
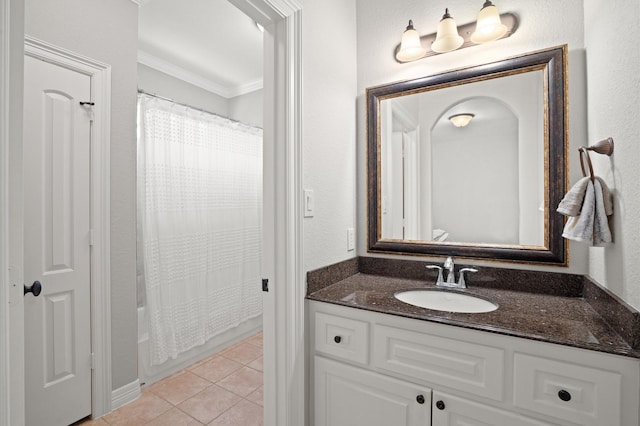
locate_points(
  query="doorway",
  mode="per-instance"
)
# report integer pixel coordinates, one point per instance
(190, 80)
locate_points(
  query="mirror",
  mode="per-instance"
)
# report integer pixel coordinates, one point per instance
(487, 188)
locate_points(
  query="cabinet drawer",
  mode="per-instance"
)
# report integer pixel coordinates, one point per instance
(342, 337)
(567, 391)
(464, 366)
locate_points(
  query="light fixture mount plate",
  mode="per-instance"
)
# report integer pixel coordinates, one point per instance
(508, 19)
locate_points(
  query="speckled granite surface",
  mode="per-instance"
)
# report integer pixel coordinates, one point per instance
(551, 307)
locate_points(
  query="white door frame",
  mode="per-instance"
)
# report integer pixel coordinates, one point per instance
(11, 253)
(283, 317)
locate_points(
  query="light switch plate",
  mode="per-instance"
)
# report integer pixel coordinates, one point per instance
(351, 239)
(309, 203)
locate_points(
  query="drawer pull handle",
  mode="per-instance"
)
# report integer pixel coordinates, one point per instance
(337, 339)
(564, 395)
(420, 399)
(440, 405)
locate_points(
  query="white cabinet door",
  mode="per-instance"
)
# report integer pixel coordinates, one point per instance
(453, 411)
(350, 396)
(56, 242)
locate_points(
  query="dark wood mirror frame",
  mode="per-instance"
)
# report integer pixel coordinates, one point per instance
(553, 63)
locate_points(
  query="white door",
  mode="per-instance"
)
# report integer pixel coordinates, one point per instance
(56, 242)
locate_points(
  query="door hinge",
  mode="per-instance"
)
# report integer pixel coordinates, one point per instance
(265, 284)
(93, 361)
(91, 237)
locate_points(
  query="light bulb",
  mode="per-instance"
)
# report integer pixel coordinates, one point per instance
(489, 27)
(447, 38)
(410, 47)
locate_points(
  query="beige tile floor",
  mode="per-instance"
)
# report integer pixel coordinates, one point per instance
(224, 389)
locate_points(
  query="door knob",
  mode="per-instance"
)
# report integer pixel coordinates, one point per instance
(34, 288)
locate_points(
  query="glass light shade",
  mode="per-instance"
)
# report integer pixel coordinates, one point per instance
(489, 27)
(461, 120)
(447, 38)
(410, 47)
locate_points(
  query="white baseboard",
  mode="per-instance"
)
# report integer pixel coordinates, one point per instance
(125, 394)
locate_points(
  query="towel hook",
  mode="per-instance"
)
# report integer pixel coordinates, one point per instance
(604, 146)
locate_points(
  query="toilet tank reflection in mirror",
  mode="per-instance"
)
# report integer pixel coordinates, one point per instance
(486, 188)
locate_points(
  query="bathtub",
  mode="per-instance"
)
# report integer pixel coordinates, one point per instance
(149, 374)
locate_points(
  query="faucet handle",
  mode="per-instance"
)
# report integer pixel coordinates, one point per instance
(439, 268)
(461, 281)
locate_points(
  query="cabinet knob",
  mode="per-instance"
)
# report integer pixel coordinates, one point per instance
(337, 339)
(420, 399)
(440, 405)
(564, 395)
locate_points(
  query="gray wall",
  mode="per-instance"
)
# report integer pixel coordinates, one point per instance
(106, 30)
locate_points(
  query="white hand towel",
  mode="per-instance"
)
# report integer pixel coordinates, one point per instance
(572, 201)
(607, 197)
(591, 226)
(580, 228)
(601, 231)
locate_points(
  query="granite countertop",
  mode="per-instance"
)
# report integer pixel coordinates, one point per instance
(567, 320)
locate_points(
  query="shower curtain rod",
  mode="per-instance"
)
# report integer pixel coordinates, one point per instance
(198, 109)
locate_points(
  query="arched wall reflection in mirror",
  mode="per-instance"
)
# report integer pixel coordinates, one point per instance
(487, 189)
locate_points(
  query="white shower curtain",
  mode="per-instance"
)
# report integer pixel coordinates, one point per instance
(199, 224)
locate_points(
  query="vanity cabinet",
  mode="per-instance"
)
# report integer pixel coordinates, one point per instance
(371, 368)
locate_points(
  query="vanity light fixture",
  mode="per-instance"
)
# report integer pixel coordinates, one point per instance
(490, 26)
(447, 38)
(461, 120)
(410, 48)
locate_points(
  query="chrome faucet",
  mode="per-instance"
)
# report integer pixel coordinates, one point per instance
(451, 277)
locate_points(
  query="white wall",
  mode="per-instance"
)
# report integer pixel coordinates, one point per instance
(613, 84)
(106, 30)
(543, 24)
(329, 127)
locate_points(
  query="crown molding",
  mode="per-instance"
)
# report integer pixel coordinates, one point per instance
(243, 89)
(190, 77)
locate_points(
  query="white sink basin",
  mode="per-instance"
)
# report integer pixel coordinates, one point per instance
(448, 301)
